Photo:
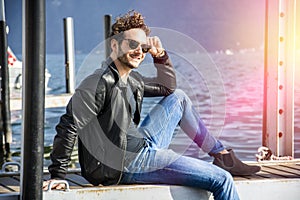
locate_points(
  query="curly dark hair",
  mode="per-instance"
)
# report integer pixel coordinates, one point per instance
(130, 20)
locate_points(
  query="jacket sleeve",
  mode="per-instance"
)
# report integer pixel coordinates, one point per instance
(63, 144)
(81, 109)
(165, 81)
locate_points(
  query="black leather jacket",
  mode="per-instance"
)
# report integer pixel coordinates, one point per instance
(98, 114)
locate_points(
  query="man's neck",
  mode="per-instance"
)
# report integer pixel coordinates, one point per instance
(124, 71)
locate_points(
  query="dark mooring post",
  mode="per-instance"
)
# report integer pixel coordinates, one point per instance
(107, 24)
(69, 54)
(5, 108)
(33, 99)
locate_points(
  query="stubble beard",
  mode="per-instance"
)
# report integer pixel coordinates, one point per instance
(124, 60)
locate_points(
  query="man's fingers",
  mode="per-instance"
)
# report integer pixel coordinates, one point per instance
(45, 185)
(56, 186)
(154, 42)
(156, 45)
(60, 186)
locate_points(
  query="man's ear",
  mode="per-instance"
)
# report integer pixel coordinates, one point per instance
(114, 45)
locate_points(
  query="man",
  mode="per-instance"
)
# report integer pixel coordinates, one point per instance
(115, 147)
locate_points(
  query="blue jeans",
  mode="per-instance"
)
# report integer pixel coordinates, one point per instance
(155, 163)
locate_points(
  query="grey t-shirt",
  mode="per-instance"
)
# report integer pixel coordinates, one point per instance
(135, 140)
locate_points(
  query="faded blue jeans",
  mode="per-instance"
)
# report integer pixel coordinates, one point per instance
(156, 164)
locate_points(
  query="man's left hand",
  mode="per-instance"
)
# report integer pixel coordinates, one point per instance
(156, 47)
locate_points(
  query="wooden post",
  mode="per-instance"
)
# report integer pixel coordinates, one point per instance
(107, 24)
(34, 33)
(278, 114)
(5, 94)
(69, 54)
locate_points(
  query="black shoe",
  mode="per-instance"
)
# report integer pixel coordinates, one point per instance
(233, 165)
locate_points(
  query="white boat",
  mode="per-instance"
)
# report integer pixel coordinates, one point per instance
(15, 71)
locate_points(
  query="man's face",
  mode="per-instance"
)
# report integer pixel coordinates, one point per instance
(130, 48)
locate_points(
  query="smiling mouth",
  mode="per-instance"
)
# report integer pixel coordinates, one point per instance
(135, 56)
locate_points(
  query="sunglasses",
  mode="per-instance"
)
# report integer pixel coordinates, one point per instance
(134, 44)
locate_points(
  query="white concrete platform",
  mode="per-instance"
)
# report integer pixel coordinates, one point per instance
(51, 101)
(281, 189)
(130, 192)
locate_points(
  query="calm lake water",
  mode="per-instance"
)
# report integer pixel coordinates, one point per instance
(227, 90)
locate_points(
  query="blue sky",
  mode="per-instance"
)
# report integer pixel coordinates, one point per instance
(215, 24)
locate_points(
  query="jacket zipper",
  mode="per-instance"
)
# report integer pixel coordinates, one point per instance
(123, 161)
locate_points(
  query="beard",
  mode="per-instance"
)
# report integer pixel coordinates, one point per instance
(124, 60)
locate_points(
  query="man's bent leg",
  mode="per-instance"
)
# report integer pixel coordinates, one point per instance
(159, 125)
(192, 124)
(177, 108)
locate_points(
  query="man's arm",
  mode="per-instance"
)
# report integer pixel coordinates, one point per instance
(165, 81)
(84, 106)
(63, 144)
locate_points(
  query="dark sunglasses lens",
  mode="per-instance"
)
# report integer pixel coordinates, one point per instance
(133, 44)
(145, 48)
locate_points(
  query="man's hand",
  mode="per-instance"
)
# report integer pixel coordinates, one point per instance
(156, 47)
(55, 186)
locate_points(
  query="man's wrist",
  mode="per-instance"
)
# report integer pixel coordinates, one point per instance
(160, 54)
(162, 59)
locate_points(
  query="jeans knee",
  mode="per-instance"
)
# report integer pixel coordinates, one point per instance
(222, 178)
(228, 177)
(180, 94)
(226, 181)
(222, 186)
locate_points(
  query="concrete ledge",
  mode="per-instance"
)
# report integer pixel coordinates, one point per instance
(278, 189)
(51, 101)
(248, 190)
(130, 192)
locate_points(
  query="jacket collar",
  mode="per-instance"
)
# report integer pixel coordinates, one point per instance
(109, 62)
